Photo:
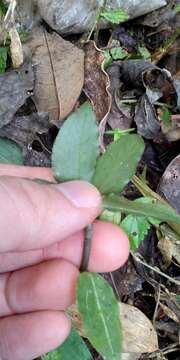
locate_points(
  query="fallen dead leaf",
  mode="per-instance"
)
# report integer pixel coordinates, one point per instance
(138, 332)
(15, 87)
(59, 73)
(119, 116)
(169, 248)
(24, 130)
(139, 336)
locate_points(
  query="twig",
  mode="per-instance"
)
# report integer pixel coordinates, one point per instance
(96, 23)
(115, 287)
(155, 269)
(157, 305)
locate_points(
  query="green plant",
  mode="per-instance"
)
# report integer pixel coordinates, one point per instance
(177, 8)
(116, 53)
(76, 155)
(115, 16)
(3, 58)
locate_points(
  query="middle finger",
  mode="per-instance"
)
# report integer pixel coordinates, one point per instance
(49, 285)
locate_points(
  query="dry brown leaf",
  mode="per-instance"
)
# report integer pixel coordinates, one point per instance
(16, 48)
(169, 248)
(138, 332)
(119, 116)
(59, 73)
(139, 336)
(96, 81)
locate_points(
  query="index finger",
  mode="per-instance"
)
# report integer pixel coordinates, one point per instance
(26, 172)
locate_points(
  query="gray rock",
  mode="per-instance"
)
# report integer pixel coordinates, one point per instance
(79, 16)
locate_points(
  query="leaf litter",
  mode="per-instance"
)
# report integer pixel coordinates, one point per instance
(131, 92)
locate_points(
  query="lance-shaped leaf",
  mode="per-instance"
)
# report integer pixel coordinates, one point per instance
(118, 164)
(76, 147)
(156, 209)
(10, 152)
(99, 311)
(73, 348)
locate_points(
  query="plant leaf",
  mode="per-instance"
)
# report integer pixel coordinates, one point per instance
(177, 8)
(118, 53)
(99, 311)
(76, 147)
(73, 348)
(118, 164)
(60, 74)
(10, 152)
(111, 216)
(144, 52)
(116, 16)
(157, 209)
(3, 59)
(136, 227)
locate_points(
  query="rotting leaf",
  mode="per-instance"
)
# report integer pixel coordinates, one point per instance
(99, 311)
(10, 152)
(15, 87)
(59, 73)
(119, 116)
(24, 130)
(76, 147)
(96, 81)
(118, 164)
(73, 348)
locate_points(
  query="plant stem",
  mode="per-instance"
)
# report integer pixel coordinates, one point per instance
(96, 23)
(87, 247)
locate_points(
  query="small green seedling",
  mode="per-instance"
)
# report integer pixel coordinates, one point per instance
(117, 133)
(115, 16)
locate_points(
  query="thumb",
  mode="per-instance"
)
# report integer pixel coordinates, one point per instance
(34, 216)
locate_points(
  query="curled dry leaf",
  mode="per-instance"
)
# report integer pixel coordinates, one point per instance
(119, 116)
(146, 119)
(139, 335)
(59, 73)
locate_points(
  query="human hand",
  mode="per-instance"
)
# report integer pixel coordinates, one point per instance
(41, 243)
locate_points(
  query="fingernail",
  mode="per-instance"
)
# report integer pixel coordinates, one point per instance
(80, 193)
